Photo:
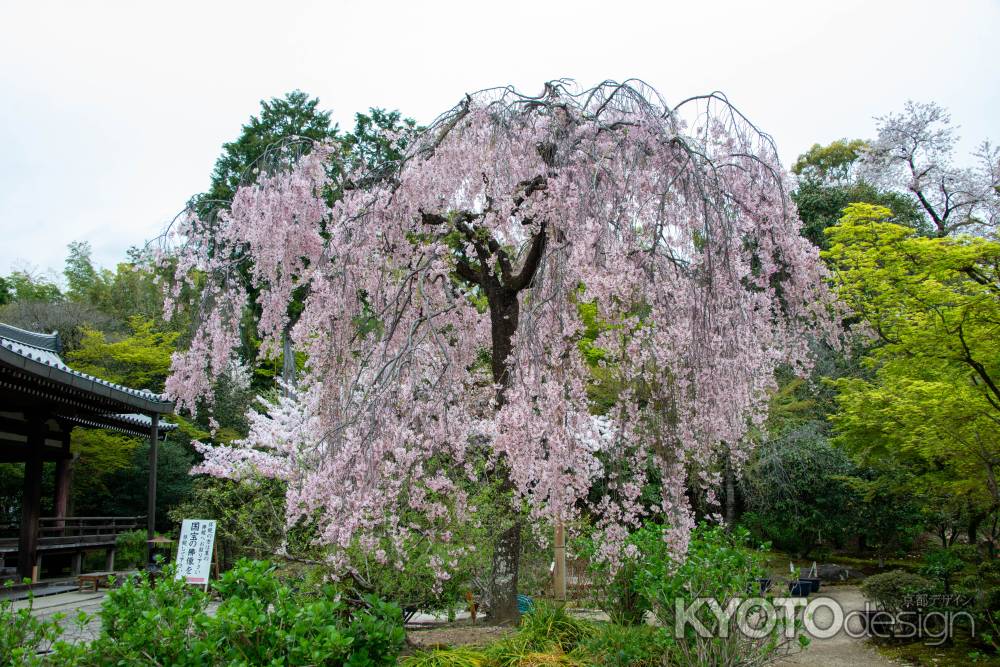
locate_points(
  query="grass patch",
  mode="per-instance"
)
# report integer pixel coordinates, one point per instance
(549, 636)
(461, 656)
(957, 655)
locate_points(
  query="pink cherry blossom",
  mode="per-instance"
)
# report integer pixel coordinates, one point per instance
(680, 232)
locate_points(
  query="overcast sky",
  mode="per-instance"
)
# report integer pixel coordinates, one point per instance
(113, 113)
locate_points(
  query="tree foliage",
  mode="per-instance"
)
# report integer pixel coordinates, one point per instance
(833, 164)
(830, 178)
(933, 307)
(294, 115)
(140, 360)
(798, 492)
(85, 282)
(24, 285)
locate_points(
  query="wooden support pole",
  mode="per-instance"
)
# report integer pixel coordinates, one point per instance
(64, 476)
(559, 571)
(31, 502)
(154, 442)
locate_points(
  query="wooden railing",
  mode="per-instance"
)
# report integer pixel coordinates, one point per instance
(71, 526)
(92, 527)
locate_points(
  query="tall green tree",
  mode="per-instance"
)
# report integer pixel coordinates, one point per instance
(377, 140)
(85, 282)
(23, 285)
(6, 291)
(829, 180)
(932, 400)
(294, 115)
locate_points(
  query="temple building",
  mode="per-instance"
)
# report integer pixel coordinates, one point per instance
(41, 401)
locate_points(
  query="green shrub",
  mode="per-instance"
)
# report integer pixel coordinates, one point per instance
(140, 622)
(130, 549)
(718, 565)
(24, 635)
(969, 553)
(625, 646)
(615, 594)
(259, 621)
(796, 490)
(943, 565)
(892, 591)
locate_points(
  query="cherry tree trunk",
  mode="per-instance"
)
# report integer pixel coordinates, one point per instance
(504, 312)
(506, 561)
(730, 495)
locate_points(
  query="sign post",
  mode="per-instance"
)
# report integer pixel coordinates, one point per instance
(194, 552)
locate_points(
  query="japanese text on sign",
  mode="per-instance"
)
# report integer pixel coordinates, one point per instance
(194, 553)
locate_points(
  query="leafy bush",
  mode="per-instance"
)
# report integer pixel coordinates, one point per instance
(718, 565)
(260, 621)
(614, 593)
(24, 635)
(942, 564)
(797, 490)
(143, 623)
(969, 553)
(131, 548)
(892, 590)
(250, 516)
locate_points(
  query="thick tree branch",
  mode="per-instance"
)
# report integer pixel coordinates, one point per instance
(467, 273)
(938, 222)
(531, 262)
(977, 366)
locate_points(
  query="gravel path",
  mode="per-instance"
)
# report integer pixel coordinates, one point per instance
(841, 650)
(69, 604)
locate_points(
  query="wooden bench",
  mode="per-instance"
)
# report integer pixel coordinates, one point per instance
(93, 581)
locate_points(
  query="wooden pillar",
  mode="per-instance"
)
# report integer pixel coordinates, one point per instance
(559, 571)
(109, 560)
(64, 473)
(31, 502)
(76, 566)
(154, 443)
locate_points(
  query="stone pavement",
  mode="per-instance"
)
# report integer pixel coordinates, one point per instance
(841, 650)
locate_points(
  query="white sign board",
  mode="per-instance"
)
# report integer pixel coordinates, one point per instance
(194, 553)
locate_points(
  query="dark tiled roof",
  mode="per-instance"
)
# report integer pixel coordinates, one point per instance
(49, 342)
(37, 354)
(135, 422)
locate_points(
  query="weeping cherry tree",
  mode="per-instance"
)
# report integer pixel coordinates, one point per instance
(441, 316)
